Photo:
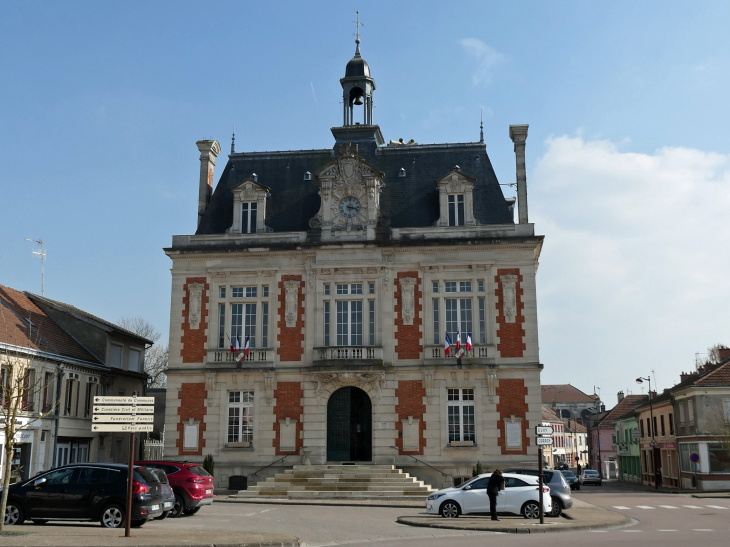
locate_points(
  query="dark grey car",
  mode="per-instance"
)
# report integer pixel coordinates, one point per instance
(559, 487)
(168, 495)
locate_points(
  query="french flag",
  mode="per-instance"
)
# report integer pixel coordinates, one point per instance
(447, 344)
(233, 350)
(468, 341)
(458, 339)
(247, 346)
(238, 343)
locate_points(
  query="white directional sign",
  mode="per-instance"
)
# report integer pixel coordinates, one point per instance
(544, 430)
(123, 418)
(102, 400)
(127, 428)
(128, 409)
(544, 441)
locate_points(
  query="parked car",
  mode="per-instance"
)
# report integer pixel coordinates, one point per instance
(571, 479)
(520, 497)
(591, 476)
(168, 494)
(85, 491)
(193, 485)
(562, 466)
(559, 487)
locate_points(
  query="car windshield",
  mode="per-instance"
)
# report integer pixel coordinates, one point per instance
(590, 472)
(568, 474)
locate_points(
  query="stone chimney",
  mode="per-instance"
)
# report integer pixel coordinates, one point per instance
(518, 134)
(723, 353)
(209, 150)
(684, 375)
(620, 395)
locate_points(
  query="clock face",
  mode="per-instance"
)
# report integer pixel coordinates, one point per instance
(350, 207)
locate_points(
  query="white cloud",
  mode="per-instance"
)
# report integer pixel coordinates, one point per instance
(486, 57)
(634, 270)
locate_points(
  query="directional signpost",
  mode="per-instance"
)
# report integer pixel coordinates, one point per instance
(126, 415)
(544, 438)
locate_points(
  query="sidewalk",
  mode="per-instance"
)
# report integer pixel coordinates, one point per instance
(345, 502)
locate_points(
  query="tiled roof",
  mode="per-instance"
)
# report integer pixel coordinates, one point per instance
(550, 414)
(628, 403)
(718, 377)
(23, 323)
(564, 393)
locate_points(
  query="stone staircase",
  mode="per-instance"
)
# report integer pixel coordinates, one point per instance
(358, 482)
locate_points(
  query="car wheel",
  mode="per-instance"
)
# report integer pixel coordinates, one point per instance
(450, 510)
(178, 508)
(112, 516)
(163, 516)
(138, 523)
(192, 511)
(557, 508)
(531, 510)
(13, 513)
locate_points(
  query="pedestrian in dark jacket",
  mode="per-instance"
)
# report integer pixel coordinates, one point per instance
(495, 484)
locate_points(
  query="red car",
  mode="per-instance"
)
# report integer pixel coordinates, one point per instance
(193, 485)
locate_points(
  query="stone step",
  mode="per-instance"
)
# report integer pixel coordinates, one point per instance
(328, 476)
(336, 488)
(308, 494)
(336, 466)
(334, 482)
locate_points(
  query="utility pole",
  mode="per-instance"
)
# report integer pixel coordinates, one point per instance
(42, 254)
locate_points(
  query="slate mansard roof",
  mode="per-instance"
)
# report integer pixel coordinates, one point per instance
(410, 201)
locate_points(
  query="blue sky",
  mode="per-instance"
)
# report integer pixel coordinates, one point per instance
(627, 156)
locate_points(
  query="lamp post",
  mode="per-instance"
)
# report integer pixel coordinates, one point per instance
(641, 380)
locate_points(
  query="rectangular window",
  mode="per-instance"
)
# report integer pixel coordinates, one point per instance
(460, 286)
(342, 289)
(236, 322)
(265, 325)
(221, 325)
(265, 290)
(681, 413)
(248, 218)
(480, 285)
(671, 424)
(69, 397)
(327, 323)
(719, 458)
(115, 359)
(464, 286)
(371, 288)
(436, 286)
(685, 449)
(656, 430)
(222, 292)
(249, 325)
(458, 317)
(641, 426)
(326, 289)
(482, 321)
(691, 412)
(356, 288)
(456, 210)
(661, 419)
(237, 292)
(450, 286)
(349, 323)
(89, 397)
(47, 392)
(648, 427)
(436, 328)
(240, 416)
(461, 414)
(371, 328)
(251, 292)
(134, 360)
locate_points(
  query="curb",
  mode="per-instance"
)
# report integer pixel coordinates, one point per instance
(331, 502)
(577, 528)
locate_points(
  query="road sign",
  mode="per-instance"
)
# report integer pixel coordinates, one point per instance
(122, 418)
(126, 428)
(103, 400)
(543, 430)
(544, 441)
(694, 457)
(127, 409)
(635, 433)
(653, 443)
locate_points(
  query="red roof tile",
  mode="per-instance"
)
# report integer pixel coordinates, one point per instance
(718, 377)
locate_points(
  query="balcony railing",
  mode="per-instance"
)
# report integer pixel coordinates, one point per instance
(254, 355)
(437, 352)
(348, 353)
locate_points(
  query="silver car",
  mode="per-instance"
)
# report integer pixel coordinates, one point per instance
(559, 487)
(591, 476)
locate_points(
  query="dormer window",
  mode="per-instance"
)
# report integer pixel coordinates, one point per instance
(248, 217)
(456, 210)
(307, 176)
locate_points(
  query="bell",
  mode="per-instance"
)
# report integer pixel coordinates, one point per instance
(358, 100)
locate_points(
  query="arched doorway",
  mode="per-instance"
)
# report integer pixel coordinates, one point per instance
(349, 426)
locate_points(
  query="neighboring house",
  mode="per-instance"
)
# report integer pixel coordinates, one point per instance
(657, 441)
(576, 442)
(555, 454)
(69, 353)
(345, 270)
(568, 401)
(701, 405)
(628, 437)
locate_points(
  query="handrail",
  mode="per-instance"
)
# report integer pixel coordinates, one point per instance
(420, 461)
(277, 461)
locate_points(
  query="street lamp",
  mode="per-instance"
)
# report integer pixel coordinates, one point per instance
(652, 429)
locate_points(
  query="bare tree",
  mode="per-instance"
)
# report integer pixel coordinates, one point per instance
(155, 359)
(713, 354)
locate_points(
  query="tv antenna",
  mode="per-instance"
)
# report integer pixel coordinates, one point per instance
(42, 254)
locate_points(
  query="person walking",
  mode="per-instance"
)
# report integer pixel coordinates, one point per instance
(495, 484)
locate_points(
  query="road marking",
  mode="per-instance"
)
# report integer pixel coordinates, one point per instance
(644, 507)
(716, 506)
(702, 530)
(621, 507)
(631, 531)
(669, 507)
(599, 531)
(666, 530)
(692, 506)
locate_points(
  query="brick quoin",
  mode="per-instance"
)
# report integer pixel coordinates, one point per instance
(288, 397)
(410, 394)
(291, 338)
(194, 341)
(408, 338)
(192, 405)
(512, 395)
(510, 334)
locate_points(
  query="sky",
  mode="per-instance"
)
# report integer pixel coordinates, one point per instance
(628, 153)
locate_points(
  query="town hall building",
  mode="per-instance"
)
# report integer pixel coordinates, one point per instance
(386, 297)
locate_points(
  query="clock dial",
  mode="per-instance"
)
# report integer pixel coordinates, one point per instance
(350, 207)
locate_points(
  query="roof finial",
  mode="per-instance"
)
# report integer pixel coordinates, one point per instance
(233, 139)
(358, 24)
(481, 126)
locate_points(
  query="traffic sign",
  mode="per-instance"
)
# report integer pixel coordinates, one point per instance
(123, 418)
(653, 443)
(694, 457)
(577, 459)
(544, 441)
(543, 430)
(127, 428)
(124, 409)
(104, 400)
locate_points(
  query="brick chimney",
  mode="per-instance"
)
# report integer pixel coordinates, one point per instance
(723, 353)
(209, 150)
(518, 134)
(620, 395)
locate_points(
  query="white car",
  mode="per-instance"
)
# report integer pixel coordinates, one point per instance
(520, 497)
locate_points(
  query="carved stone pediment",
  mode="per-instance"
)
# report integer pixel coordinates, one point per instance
(195, 304)
(329, 382)
(456, 183)
(509, 297)
(291, 302)
(408, 286)
(249, 191)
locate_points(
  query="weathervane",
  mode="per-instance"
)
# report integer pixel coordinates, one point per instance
(358, 24)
